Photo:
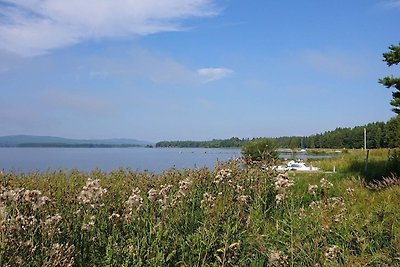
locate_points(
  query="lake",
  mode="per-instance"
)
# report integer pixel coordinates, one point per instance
(137, 158)
(86, 159)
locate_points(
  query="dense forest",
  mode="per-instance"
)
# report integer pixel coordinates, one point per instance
(215, 143)
(379, 135)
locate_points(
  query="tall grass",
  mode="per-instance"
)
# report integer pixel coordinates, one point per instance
(228, 216)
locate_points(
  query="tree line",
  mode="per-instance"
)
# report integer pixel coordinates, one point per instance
(215, 143)
(379, 135)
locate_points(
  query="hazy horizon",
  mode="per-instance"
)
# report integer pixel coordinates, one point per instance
(193, 69)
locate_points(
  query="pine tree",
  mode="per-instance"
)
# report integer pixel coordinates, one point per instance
(393, 58)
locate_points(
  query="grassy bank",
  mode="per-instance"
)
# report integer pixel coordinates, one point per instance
(228, 216)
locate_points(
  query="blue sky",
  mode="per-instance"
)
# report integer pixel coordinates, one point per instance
(193, 69)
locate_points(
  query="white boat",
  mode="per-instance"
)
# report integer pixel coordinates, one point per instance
(297, 165)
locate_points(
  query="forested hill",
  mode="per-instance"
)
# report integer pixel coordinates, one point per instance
(52, 141)
(379, 135)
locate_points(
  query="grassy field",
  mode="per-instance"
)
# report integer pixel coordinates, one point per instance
(228, 216)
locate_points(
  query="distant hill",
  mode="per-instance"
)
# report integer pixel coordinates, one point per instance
(52, 141)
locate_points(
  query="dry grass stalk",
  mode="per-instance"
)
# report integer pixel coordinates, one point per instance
(386, 182)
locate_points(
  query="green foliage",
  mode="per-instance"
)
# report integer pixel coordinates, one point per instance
(340, 138)
(393, 58)
(379, 135)
(260, 149)
(393, 132)
(215, 143)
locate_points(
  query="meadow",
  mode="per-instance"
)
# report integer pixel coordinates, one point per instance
(233, 215)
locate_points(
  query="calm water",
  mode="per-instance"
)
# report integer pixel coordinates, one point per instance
(107, 159)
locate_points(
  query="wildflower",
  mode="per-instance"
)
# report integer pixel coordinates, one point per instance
(243, 199)
(332, 252)
(222, 175)
(184, 186)
(283, 182)
(326, 184)
(279, 198)
(41, 202)
(207, 201)
(135, 201)
(277, 258)
(335, 202)
(337, 218)
(50, 224)
(89, 224)
(7, 195)
(350, 191)
(114, 217)
(32, 195)
(91, 192)
(239, 189)
(152, 195)
(312, 189)
(163, 195)
(315, 205)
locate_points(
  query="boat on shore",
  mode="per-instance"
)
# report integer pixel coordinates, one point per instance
(296, 165)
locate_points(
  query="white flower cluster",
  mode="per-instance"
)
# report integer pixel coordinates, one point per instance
(282, 185)
(312, 189)
(184, 186)
(207, 201)
(89, 224)
(332, 252)
(20, 196)
(91, 193)
(161, 196)
(282, 182)
(326, 184)
(223, 176)
(51, 223)
(243, 199)
(135, 201)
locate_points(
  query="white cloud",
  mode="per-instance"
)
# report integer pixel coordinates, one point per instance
(213, 74)
(32, 27)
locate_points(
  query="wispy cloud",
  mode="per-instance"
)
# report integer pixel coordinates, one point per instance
(214, 74)
(391, 4)
(77, 102)
(333, 63)
(33, 27)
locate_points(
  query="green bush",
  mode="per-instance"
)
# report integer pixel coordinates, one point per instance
(261, 149)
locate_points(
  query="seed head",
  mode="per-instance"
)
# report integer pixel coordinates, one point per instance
(312, 189)
(326, 184)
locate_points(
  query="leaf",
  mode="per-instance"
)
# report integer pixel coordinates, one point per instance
(170, 255)
(236, 244)
(218, 258)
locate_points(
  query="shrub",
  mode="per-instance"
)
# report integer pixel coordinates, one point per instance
(260, 149)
